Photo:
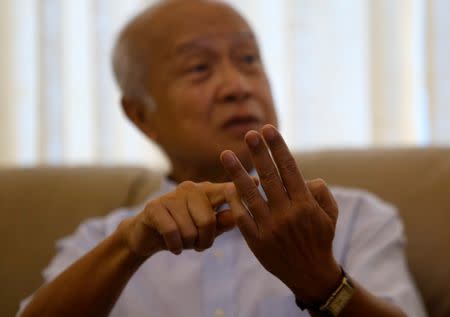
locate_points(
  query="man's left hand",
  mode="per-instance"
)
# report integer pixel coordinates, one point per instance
(290, 233)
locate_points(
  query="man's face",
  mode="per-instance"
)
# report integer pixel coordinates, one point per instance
(209, 84)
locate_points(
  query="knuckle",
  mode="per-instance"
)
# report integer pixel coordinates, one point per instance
(151, 210)
(187, 185)
(269, 176)
(251, 197)
(153, 205)
(289, 165)
(205, 183)
(168, 200)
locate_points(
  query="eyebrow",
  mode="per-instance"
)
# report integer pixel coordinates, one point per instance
(202, 43)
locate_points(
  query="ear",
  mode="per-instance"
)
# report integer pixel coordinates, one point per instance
(137, 114)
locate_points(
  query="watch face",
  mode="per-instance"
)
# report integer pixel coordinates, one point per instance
(337, 304)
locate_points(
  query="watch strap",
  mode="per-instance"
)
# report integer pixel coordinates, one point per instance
(328, 306)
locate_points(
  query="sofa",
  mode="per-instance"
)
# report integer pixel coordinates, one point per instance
(38, 205)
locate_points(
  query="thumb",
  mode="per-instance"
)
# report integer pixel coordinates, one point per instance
(324, 198)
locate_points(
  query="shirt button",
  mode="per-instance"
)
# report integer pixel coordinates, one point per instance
(219, 313)
(218, 253)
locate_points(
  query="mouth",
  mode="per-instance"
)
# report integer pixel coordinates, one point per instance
(240, 125)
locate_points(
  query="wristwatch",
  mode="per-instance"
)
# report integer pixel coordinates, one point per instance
(336, 302)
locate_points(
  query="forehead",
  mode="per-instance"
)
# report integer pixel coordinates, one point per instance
(193, 44)
(197, 23)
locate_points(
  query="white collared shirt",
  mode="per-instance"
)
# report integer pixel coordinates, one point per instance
(227, 279)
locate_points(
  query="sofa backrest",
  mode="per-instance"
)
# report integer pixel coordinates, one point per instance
(40, 205)
(417, 182)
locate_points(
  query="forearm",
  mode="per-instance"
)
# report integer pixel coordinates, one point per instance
(90, 286)
(365, 304)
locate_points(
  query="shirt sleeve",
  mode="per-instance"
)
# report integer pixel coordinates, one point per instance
(376, 255)
(69, 249)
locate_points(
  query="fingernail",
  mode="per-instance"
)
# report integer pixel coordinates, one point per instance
(229, 159)
(269, 132)
(252, 139)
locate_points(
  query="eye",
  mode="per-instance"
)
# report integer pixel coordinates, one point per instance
(250, 59)
(199, 68)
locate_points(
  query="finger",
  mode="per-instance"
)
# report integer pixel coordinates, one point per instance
(167, 228)
(176, 205)
(204, 218)
(224, 221)
(267, 171)
(242, 218)
(214, 192)
(324, 198)
(290, 174)
(245, 186)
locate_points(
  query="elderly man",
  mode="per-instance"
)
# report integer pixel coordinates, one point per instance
(216, 245)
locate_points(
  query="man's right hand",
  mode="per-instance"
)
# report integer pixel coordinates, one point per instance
(182, 219)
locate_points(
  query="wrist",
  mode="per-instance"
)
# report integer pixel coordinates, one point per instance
(321, 286)
(126, 234)
(336, 302)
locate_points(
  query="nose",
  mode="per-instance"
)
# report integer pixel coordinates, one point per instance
(235, 86)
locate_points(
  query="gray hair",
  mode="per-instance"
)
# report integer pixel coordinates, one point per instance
(130, 69)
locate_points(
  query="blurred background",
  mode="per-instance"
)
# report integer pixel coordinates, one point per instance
(345, 74)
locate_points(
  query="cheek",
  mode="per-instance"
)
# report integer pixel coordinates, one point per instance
(264, 95)
(191, 102)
